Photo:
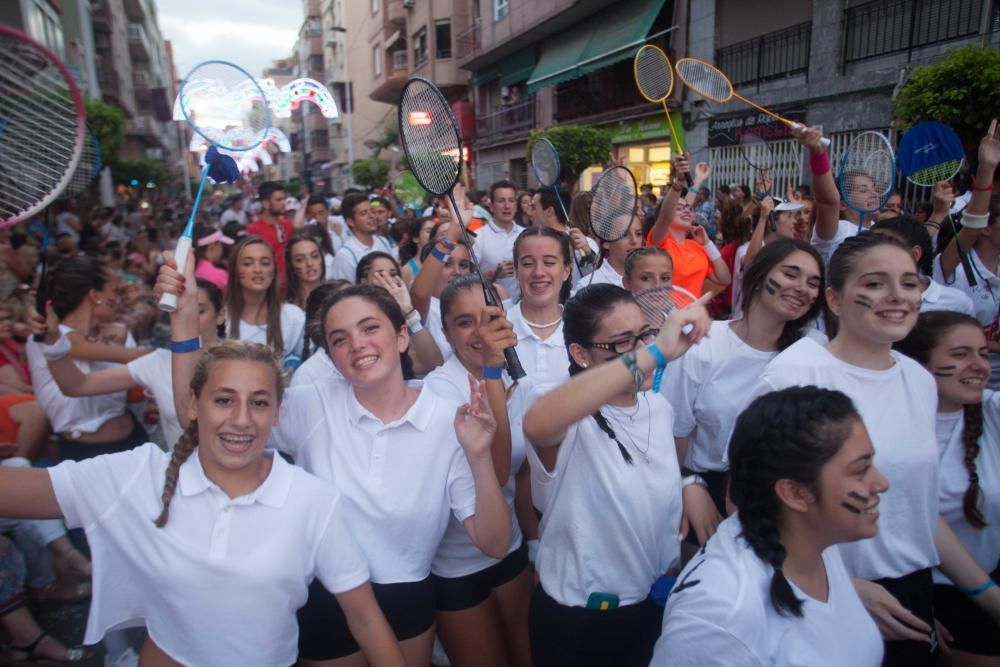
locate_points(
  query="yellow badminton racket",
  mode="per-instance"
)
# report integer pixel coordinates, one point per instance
(710, 83)
(655, 79)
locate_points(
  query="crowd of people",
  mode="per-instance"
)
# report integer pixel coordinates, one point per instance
(320, 457)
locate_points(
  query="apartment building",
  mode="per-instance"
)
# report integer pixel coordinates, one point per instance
(285, 167)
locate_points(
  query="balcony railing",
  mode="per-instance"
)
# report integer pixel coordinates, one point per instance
(883, 27)
(137, 36)
(467, 42)
(399, 60)
(776, 54)
(508, 120)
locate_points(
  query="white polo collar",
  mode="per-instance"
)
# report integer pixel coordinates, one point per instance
(191, 481)
(418, 416)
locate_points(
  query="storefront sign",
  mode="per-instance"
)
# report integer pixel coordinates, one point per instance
(641, 129)
(729, 131)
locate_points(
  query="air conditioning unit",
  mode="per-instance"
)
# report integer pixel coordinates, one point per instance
(408, 4)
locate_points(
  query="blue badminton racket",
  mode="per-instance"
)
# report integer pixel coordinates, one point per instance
(867, 174)
(228, 108)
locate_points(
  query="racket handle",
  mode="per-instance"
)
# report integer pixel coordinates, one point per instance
(514, 368)
(168, 302)
(41, 296)
(825, 141)
(690, 181)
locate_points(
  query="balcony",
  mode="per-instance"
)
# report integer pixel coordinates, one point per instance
(508, 123)
(149, 130)
(467, 42)
(393, 78)
(774, 55)
(602, 96)
(138, 42)
(884, 27)
(395, 12)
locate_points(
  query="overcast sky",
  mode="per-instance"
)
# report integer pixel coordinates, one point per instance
(250, 33)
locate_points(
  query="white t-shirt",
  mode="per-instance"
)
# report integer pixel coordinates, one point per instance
(494, 245)
(153, 372)
(293, 325)
(435, 325)
(702, 387)
(544, 360)
(224, 576)
(345, 262)
(845, 229)
(719, 614)
(314, 369)
(457, 556)
(605, 273)
(611, 526)
(942, 297)
(232, 215)
(985, 295)
(953, 480)
(737, 308)
(74, 415)
(403, 479)
(897, 406)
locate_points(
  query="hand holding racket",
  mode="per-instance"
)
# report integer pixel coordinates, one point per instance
(655, 79)
(684, 327)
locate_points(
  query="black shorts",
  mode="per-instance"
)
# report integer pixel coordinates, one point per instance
(718, 485)
(915, 591)
(323, 631)
(972, 629)
(74, 450)
(574, 636)
(458, 593)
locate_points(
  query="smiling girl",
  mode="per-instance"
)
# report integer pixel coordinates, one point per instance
(305, 267)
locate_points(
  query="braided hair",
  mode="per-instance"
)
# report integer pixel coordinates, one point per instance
(789, 434)
(918, 345)
(228, 350)
(582, 317)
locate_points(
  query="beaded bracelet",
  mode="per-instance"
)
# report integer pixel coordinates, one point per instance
(638, 376)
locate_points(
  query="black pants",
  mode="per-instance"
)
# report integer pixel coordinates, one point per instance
(74, 450)
(915, 591)
(575, 636)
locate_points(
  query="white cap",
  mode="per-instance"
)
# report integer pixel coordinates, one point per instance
(787, 206)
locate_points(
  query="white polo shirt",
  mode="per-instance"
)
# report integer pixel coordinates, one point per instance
(314, 369)
(494, 245)
(897, 406)
(225, 576)
(76, 415)
(153, 373)
(605, 273)
(705, 387)
(345, 262)
(458, 556)
(402, 480)
(611, 526)
(544, 359)
(435, 325)
(719, 614)
(293, 325)
(942, 297)
(826, 248)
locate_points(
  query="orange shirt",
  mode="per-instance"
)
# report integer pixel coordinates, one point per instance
(691, 264)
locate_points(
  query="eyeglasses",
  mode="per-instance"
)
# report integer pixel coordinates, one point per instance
(629, 343)
(684, 207)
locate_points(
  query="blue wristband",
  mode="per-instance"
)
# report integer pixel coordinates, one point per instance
(973, 592)
(438, 255)
(492, 373)
(653, 349)
(183, 346)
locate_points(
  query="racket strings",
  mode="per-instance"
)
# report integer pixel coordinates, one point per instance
(653, 74)
(430, 137)
(612, 208)
(756, 152)
(868, 172)
(545, 162)
(940, 172)
(656, 303)
(704, 79)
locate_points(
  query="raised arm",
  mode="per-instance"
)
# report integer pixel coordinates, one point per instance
(498, 334)
(669, 206)
(426, 353)
(975, 217)
(87, 350)
(423, 286)
(183, 327)
(757, 238)
(824, 187)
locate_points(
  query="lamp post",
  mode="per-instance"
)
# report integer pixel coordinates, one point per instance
(348, 102)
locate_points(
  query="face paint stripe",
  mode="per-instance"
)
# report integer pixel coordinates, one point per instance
(863, 301)
(772, 286)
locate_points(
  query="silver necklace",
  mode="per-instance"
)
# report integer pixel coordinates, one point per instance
(631, 417)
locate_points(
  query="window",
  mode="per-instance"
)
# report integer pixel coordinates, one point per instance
(377, 59)
(500, 9)
(419, 47)
(442, 39)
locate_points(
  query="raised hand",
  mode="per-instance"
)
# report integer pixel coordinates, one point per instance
(395, 286)
(989, 147)
(810, 137)
(46, 325)
(700, 235)
(497, 333)
(474, 422)
(702, 171)
(684, 327)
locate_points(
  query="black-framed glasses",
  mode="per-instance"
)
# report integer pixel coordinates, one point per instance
(626, 345)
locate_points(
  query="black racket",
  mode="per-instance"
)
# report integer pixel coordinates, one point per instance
(614, 204)
(433, 149)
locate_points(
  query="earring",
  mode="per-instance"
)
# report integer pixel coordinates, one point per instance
(583, 365)
(99, 302)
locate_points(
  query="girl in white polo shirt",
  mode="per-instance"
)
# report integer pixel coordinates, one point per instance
(874, 290)
(254, 308)
(177, 539)
(613, 255)
(783, 284)
(614, 504)
(769, 588)
(482, 602)
(953, 348)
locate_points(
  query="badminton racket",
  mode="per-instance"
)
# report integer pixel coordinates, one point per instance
(86, 170)
(433, 149)
(41, 127)
(213, 100)
(655, 79)
(613, 206)
(545, 164)
(710, 83)
(756, 152)
(867, 174)
(656, 304)
(930, 152)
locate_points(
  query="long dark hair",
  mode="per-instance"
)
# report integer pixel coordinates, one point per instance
(919, 344)
(410, 248)
(272, 299)
(564, 252)
(293, 284)
(364, 266)
(378, 297)
(70, 281)
(314, 326)
(582, 317)
(755, 275)
(788, 434)
(215, 296)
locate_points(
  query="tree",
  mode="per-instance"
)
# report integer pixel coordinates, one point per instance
(107, 124)
(370, 172)
(579, 147)
(962, 91)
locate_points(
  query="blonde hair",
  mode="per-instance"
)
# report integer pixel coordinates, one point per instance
(227, 350)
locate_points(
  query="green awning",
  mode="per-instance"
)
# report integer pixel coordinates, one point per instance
(604, 39)
(515, 68)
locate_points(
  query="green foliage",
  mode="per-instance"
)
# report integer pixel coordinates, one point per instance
(370, 172)
(579, 147)
(962, 91)
(143, 171)
(107, 124)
